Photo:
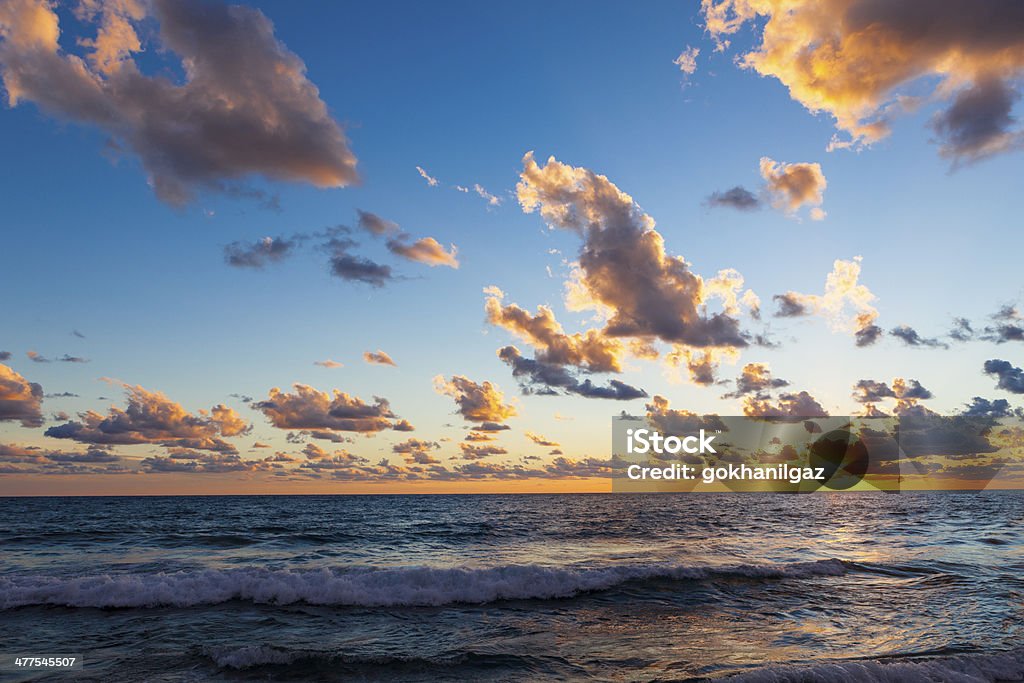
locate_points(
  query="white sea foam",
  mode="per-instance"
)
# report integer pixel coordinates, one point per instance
(987, 668)
(367, 587)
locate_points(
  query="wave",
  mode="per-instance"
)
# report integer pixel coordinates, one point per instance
(369, 586)
(987, 668)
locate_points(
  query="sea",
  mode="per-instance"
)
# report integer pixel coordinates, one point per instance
(617, 587)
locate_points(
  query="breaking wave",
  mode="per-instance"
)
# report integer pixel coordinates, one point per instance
(368, 586)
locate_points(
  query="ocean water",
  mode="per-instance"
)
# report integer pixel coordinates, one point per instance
(756, 587)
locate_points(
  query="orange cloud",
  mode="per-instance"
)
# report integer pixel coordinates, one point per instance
(866, 62)
(591, 350)
(378, 357)
(482, 402)
(624, 270)
(846, 303)
(792, 186)
(426, 250)
(20, 400)
(309, 408)
(150, 417)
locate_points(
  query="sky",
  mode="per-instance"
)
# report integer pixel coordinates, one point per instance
(396, 247)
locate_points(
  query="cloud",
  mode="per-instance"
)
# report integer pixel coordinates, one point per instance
(670, 420)
(475, 452)
(542, 378)
(259, 253)
(36, 357)
(791, 405)
(244, 106)
(541, 440)
(355, 268)
(151, 418)
(591, 350)
(970, 53)
(487, 196)
(868, 335)
(426, 250)
(623, 268)
(5, 355)
(415, 451)
(739, 198)
(432, 181)
(982, 407)
(793, 186)
(979, 123)
(482, 402)
(962, 330)
(687, 60)
(846, 303)
(20, 400)
(871, 391)
(755, 378)
(72, 359)
(1010, 378)
(378, 357)
(375, 225)
(203, 463)
(909, 336)
(330, 364)
(1007, 326)
(309, 408)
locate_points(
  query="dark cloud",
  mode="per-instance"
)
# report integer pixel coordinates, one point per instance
(755, 378)
(355, 268)
(205, 463)
(20, 400)
(982, 407)
(979, 123)
(871, 391)
(909, 336)
(5, 355)
(546, 379)
(1010, 378)
(1007, 327)
(624, 269)
(679, 422)
(78, 334)
(962, 330)
(259, 253)
(490, 427)
(310, 409)
(243, 108)
(790, 306)
(375, 225)
(150, 417)
(868, 335)
(36, 357)
(788, 405)
(72, 359)
(739, 198)
(969, 54)
(416, 451)
(476, 452)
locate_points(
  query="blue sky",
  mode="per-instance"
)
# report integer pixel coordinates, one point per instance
(464, 91)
